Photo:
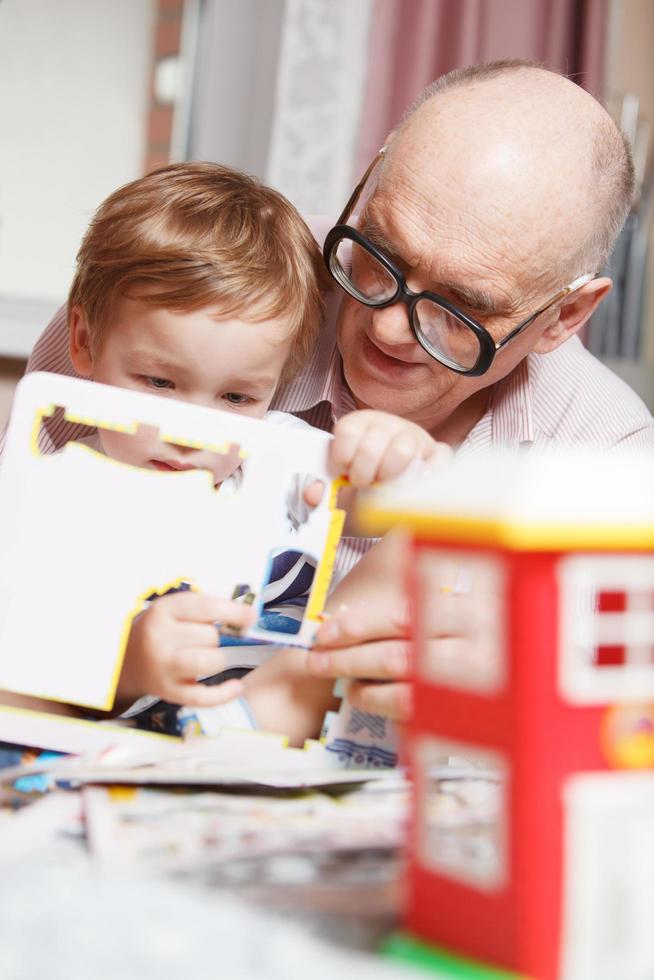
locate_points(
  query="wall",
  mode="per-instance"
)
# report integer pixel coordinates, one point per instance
(630, 68)
(74, 77)
(234, 95)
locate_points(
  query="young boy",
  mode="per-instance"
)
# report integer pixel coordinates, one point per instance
(198, 283)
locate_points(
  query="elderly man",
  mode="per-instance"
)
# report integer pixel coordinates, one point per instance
(502, 193)
(470, 271)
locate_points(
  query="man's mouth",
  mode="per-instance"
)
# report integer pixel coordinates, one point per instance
(385, 361)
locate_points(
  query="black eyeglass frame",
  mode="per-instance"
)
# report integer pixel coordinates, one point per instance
(488, 347)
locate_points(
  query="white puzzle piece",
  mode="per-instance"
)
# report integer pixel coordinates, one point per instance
(85, 539)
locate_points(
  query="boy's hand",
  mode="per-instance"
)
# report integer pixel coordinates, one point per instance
(369, 446)
(174, 642)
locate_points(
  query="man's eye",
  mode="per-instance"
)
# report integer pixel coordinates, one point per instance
(159, 383)
(236, 398)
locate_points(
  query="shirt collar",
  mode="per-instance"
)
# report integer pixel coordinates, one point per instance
(512, 408)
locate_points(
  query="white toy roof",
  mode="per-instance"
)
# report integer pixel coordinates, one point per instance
(534, 499)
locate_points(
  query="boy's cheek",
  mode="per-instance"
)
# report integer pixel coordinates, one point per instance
(259, 410)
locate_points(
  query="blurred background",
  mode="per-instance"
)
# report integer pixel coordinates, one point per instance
(301, 93)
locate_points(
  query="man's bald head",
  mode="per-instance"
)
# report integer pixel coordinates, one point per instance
(545, 162)
(504, 185)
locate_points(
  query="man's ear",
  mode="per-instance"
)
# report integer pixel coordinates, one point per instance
(79, 341)
(573, 312)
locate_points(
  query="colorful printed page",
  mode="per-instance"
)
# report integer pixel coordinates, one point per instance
(112, 754)
(87, 540)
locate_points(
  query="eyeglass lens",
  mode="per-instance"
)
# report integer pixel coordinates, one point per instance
(445, 336)
(442, 334)
(361, 274)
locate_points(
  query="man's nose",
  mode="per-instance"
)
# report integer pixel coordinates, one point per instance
(391, 326)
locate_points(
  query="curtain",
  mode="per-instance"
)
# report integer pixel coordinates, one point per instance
(412, 42)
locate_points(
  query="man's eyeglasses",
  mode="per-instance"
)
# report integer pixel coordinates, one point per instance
(450, 336)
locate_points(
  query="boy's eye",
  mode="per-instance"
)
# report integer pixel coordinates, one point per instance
(236, 398)
(159, 383)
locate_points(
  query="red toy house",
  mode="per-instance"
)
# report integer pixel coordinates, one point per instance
(546, 565)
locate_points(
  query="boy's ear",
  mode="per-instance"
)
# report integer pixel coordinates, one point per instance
(573, 313)
(79, 340)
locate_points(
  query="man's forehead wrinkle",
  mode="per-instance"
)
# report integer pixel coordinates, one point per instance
(372, 230)
(442, 252)
(387, 215)
(437, 190)
(406, 186)
(430, 198)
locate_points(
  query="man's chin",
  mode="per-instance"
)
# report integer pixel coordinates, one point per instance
(377, 381)
(382, 395)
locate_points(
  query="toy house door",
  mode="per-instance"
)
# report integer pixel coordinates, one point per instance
(608, 899)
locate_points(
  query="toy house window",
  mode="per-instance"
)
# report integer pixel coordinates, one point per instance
(607, 627)
(460, 620)
(462, 815)
(623, 635)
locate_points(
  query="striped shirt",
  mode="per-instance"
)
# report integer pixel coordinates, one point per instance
(567, 398)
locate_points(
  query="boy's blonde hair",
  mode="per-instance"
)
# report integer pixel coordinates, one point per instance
(193, 235)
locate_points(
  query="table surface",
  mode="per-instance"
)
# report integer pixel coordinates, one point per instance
(66, 916)
(64, 919)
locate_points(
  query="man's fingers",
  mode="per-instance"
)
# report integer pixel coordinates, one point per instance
(383, 660)
(364, 622)
(370, 452)
(343, 447)
(402, 449)
(393, 701)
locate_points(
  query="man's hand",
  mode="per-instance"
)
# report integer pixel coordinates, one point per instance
(368, 644)
(175, 641)
(366, 641)
(369, 446)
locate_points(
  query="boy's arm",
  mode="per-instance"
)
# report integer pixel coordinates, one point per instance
(367, 446)
(281, 694)
(285, 698)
